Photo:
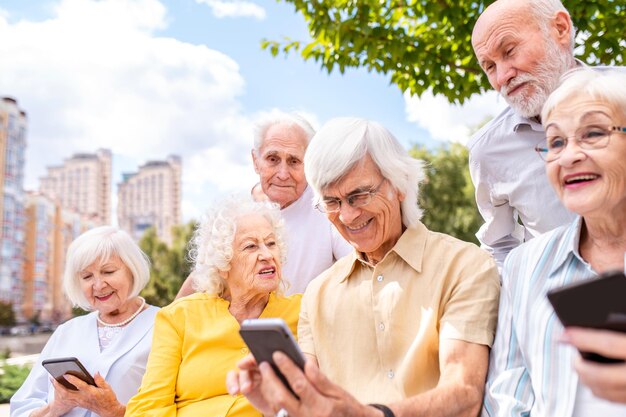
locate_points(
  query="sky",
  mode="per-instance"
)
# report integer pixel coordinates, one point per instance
(150, 78)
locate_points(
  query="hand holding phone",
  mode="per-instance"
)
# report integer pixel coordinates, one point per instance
(266, 336)
(598, 303)
(59, 367)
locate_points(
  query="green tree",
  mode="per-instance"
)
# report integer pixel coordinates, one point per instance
(427, 43)
(169, 266)
(447, 195)
(7, 315)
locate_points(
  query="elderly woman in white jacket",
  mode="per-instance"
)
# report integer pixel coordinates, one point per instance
(105, 271)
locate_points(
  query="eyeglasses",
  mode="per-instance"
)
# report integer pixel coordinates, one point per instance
(333, 205)
(587, 137)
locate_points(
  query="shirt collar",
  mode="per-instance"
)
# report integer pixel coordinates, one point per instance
(520, 121)
(410, 248)
(568, 246)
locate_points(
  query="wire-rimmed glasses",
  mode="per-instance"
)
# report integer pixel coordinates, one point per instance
(587, 137)
(333, 205)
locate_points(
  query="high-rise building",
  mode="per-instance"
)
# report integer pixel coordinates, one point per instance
(82, 184)
(151, 198)
(38, 255)
(13, 124)
(49, 231)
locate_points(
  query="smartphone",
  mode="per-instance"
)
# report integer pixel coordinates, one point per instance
(598, 303)
(63, 366)
(266, 336)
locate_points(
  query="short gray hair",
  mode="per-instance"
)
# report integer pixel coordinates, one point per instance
(344, 141)
(101, 243)
(267, 120)
(211, 248)
(608, 85)
(544, 11)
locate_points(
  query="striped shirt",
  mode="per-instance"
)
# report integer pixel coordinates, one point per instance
(530, 371)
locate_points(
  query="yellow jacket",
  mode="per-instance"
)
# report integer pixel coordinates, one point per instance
(196, 342)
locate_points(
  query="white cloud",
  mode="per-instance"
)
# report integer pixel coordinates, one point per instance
(451, 122)
(96, 74)
(234, 8)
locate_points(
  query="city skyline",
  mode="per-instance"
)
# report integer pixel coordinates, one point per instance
(37, 226)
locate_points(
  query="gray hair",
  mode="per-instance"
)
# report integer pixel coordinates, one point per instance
(101, 243)
(211, 248)
(342, 142)
(600, 84)
(545, 10)
(272, 118)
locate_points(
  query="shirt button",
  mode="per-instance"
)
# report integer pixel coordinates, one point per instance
(244, 350)
(381, 326)
(390, 374)
(379, 278)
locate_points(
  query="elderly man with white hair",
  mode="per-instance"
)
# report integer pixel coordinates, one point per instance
(280, 140)
(405, 322)
(524, 47)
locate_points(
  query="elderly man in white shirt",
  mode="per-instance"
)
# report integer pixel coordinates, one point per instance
(524, 62)
(313, 244)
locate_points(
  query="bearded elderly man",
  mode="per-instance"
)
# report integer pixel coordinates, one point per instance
(405, 321)
(524, 46)
(280, 140)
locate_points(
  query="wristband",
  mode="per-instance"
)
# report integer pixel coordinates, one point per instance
(386, 410)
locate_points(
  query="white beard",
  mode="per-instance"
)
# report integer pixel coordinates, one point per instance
(530, 100)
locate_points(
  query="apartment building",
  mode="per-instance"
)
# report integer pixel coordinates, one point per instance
(49, 231)
(151, 197)
(82, 184)
(13, 127)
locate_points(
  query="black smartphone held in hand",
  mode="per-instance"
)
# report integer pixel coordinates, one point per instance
(598, 303)
(62, 366)
(266, 336)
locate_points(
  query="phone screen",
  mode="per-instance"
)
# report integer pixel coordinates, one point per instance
(72, 366)
(266, 336)
(596, 303)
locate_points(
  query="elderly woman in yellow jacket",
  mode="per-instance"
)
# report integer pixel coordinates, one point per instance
(238, 252)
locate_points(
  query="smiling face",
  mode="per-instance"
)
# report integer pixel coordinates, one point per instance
(589, 182)
(255, 268)
(279, 163)
(107, 285)
(522, 60)
(372, 229)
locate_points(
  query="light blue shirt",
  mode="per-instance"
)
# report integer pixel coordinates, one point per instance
(530, 371)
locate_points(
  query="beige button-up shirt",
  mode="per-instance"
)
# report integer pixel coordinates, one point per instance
(375, 330)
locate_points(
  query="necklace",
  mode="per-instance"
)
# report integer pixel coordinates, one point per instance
(125, 322)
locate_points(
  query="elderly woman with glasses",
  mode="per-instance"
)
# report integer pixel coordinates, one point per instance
(238, 251)
(535, 367)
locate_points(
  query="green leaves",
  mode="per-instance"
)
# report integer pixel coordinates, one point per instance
(426, 44)
(447, 195)
(169, 266)
(11, 379)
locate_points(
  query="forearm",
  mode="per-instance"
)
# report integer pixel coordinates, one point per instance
(454, 400)
(459, 392)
